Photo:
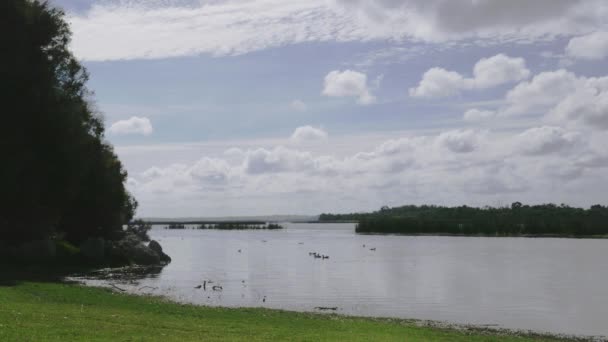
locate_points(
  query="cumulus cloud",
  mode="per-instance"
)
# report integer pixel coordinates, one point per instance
(546, 139)
(588, 106)
(460, 141)
(590, 46)
(438, 82)
(348, 83)
(545, 89)
(133, 125)
(487, 73)
(560, 97)
(308, 134)
(135, 29)
(500, 166)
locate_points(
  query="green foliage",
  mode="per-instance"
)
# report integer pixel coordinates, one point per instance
(58, 173)
(66, 252)
(517, 220)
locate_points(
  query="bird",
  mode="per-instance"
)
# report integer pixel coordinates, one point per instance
(217, 288)
(198, 287)
(264, 299)
(239, 251)
(372, 249)
(326, 257)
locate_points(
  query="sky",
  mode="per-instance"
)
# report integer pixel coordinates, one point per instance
(260, 107)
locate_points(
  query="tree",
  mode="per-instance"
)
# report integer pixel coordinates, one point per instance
(58, 173)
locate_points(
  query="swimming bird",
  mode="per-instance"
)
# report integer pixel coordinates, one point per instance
(217, 288)
(372, 249)
(326, 257)
(198, 287)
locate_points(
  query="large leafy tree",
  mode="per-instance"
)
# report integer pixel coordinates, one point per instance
(57, 172)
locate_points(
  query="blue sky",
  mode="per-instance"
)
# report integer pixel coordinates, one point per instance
(245, 107)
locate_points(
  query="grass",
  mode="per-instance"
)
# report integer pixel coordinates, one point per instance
(48, 311)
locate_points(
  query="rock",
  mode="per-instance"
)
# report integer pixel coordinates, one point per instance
(131, 249)
(93, 249)
(144, 255)
(156, 247)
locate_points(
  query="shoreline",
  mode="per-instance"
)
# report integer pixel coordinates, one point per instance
(328, 313)
(77, 311)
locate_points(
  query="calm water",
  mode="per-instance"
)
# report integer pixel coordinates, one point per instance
(552, 285)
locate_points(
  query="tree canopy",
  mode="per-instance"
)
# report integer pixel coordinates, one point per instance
(59, 175)
(516, 220)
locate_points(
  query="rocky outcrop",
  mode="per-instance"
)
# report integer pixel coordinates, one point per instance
(156, 247)
(132, 250)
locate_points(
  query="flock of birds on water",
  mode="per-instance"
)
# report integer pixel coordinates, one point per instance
(316, 255)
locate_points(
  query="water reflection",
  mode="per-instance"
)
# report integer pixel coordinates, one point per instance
(555, 285)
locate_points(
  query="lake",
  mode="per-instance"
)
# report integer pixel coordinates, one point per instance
(542, 284)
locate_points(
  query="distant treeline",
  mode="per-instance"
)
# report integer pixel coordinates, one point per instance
(229, 226)
(516, 220)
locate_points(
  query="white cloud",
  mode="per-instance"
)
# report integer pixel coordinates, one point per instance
(561, 97)
(500, 166)
(279, 159)
(460, 141)
(135, 29)
(545, 140)
(591, 46)
(298, 106)
(474, 115)
(348, 83)
(487, 73)
(497, 70)
(587, 106)
(438, 82)
(133, 125)
(308, 134)
(545, 89)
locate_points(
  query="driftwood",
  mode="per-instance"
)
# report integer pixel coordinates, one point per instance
(118, 288)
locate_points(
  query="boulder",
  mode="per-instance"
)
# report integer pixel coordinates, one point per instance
(93, 249)
(156, 247)
(130, 249)
(144, 255)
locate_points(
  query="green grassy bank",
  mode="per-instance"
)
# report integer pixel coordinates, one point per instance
(40, 311)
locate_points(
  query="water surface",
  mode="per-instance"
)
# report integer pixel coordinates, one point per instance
(543, 284)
